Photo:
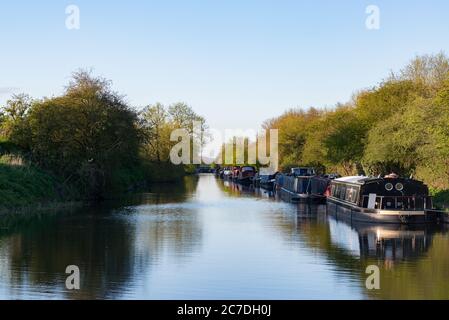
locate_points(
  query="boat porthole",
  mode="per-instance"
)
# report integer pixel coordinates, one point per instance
(389, 186)
(399, 186)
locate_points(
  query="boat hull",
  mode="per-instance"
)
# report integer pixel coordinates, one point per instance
(267, 186)
(246, 180)
(353, 213)
(290, 196)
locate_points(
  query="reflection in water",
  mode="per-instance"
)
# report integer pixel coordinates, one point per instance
(209, 239)
(238, 190)
(389, 243)
(111, 246)
(399, 251)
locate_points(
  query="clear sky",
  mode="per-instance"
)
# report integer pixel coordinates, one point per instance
(237, 62)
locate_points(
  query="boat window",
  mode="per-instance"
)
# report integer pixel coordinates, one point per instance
(245, 169)
(303, 172)
(342, 192)
(399, 186)
(348, 194)
(389, 203)
(337, 191)
(389, 186)
(351, 194)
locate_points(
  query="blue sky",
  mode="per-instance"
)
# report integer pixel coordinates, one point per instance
(235, 62)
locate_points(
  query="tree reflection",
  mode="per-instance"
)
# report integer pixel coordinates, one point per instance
(413, 260)
(114, 248)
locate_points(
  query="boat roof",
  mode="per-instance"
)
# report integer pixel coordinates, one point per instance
(361, 180)
(354, 179)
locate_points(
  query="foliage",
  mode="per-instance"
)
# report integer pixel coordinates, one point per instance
(402, 125)
(157, 123)
(23, 185)
(89, 138)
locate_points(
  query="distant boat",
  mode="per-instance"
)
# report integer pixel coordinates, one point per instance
(235, 171)
(381, 200)
(246, 174)
(265, 181)
(302, 184)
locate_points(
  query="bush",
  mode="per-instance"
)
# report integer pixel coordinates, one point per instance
(22, 185)
(441, 199)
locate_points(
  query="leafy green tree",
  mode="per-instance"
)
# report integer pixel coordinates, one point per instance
(429, 71)
(14, 124)
(344, 143)
(394, 144)
(293, 128)
(156, 131)
(434, 155)
(183, 116)
(391, 97)
(83, 135)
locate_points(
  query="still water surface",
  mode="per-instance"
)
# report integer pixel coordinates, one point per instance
(208, 239)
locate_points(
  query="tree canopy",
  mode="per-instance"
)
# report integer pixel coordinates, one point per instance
(401, 125)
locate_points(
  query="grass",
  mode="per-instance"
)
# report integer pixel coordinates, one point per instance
(25, 189)
(25, 186)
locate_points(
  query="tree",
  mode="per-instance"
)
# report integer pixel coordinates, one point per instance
(428, 70)
(14, 126)
(434, 167)
(156, 131)
(344, 141)
(83, 135)
(293, 127)
(389, 98)
(395, 144)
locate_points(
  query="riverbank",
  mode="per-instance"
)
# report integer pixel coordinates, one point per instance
(25, 189)
(24, 185)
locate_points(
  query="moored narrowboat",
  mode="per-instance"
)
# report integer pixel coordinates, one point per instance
(246, 174)
(226, 173)
(235, 171)
(265, 181)
(302, 184)
(381, 200)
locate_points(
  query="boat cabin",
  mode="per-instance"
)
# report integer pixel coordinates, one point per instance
(303, 172)
(388, 193)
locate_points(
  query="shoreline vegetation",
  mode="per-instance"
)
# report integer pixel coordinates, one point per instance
(401, 125)
(84, 146)
(88, 144)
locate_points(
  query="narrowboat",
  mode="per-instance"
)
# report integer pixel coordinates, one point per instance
(380, 200)
(246, 175)
(265, 181)
(302, 184)
(227, 173)
(235, 172)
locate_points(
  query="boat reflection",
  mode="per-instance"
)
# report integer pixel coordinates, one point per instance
(241, 190)
(389, 243)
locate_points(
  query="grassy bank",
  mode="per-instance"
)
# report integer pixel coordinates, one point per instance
(24, 188)
(24, 185)
(139, 177)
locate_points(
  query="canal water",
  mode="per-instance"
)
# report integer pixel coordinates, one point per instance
(209, 239)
